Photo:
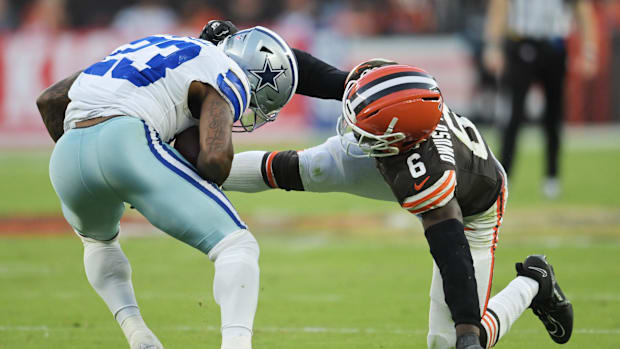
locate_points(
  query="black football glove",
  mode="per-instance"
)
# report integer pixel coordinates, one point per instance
(357, 72)
(217, 30)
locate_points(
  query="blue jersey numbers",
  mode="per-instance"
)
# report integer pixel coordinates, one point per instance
(144, 61)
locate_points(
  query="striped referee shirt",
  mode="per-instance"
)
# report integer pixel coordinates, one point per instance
(539, 19)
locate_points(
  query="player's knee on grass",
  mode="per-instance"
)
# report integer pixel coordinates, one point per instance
(437, 341)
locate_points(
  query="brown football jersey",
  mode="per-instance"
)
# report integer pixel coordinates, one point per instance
(454, 162)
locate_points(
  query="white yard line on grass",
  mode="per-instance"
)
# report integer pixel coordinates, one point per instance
(307, 329)
(44, 329)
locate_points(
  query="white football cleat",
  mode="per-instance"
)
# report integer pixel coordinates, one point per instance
(144, 339)
(237, 342)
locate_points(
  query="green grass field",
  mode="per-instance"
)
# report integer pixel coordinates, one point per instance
(337, 271)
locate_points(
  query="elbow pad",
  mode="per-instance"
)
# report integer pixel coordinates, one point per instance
(450, 251)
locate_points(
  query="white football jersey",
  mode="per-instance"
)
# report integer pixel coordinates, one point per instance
(149, 79)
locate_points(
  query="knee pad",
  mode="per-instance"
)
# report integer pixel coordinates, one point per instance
(240, 243)
(105, 263)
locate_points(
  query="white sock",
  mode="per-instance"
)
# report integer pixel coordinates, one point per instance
(245, 173)
(109, 273)
(235, 287)
(507, 306)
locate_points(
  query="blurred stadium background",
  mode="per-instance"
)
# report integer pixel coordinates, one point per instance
(338, 271)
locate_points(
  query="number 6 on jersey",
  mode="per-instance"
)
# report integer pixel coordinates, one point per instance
(417, 169)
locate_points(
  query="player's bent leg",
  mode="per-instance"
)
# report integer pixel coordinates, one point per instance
(109, 273)
(550, 304)
(154, 178)
(535, 287)
(235, 286)
(506, 307)
(168, 191)
(441, 333)
(88, 203)
(93, 210)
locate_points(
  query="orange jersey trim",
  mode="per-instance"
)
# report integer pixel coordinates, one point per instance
(434, 203)
(270, 177)
(408, 205)
(490, 322)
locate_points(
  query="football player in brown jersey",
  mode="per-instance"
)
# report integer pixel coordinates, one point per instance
(446, 170)
(406, 144)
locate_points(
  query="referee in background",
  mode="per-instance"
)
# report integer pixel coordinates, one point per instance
(525, 42)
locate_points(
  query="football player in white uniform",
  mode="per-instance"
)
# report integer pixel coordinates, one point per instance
(407, 145)
(121, 113)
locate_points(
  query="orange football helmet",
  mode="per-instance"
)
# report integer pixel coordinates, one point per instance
(390, 109)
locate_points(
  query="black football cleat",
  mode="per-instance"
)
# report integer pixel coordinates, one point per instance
(550, 304)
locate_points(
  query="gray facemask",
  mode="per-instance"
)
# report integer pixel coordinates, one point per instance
(271, 68)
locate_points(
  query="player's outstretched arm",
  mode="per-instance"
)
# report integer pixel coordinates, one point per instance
(52, 104)
(215, 133)
(444, 231)
(317, 78)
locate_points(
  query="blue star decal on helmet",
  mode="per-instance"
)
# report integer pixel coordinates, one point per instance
(267, 76)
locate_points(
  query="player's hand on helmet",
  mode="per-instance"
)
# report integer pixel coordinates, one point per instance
(359, 69)
(217, 30)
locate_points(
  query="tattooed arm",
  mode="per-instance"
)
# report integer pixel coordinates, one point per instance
(52, 104)
(214, 132)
